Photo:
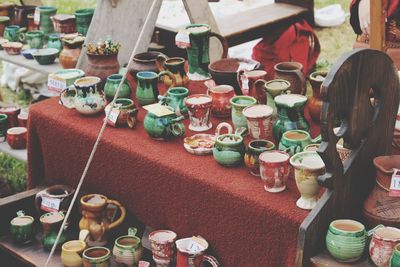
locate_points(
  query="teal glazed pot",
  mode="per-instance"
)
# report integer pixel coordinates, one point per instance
(238, 103)
(22, 228)
(14, 33)
(395, 259)
(83, 20)
(290, 114)
(35, 39)
(46, 24)
(254, 149)
(162, 128)
(294, 141)
(175, 99)
(346, 240)
(111, 86)
(55, 42)
(147, 86)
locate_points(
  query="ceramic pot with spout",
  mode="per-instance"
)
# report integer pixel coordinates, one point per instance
(292, 72)
(127, 249)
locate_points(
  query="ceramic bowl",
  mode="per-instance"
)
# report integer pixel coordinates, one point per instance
(199, 144)
(27, 53)
(384, 169)
(2, 41)
(45, 56)
(16, 137)
(13, 48)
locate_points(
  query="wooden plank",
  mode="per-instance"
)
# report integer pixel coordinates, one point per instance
(325, 260)
(30, 63)
(19, 196)
(20, 154)
(378, 16)
(308, 4)
(122, 26)
(31, 2)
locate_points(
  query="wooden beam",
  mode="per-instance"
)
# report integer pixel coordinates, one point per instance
(378, 16)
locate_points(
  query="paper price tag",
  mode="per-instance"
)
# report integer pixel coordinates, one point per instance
(245, 82)
(394, 190)
(194, 247)
(36, 17)
(50, 204)
(112, 119)
(56, 84)
(182, 39)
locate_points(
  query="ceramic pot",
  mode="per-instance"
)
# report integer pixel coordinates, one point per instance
(311, 147)
(307, 165)
(22, 228)
(191, 253)
(146, 61)
(274, 170)
(83, 20)
(314, 103)
(229, 148)
(346, 240)
(96, 257)
(102, 66)
(147, 86)
(384, 169)
(127, 249)
(176, 65)
(12, 114)
(382, 244)
(21, 15)
(16, 137)
(290, 114)
(254, 149)
(292, 72)
(276, 87)
(199, 106)
(4, 22)
(55, 42)
(51, 223)
(175, 98)
(124, 113)
(69, 55)
(7, 9)
(22, 120)
(111, 86)
(71, 253)
(253, 84)
(198, 52)
(95, 218)
(294, 141)
(221, 95)
(54, 198)
(63, 23)
(35, 39)
(13, 48)
(259, 121)
(162, 243)
(88, 98)
(3, 127)
(395, 259)
(238, 103)
(45, 24)
(31, 23)
(225, 71)
(165, 127)
(14, 33)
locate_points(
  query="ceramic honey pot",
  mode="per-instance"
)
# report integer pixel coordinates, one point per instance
(238, 103)
(254, 149)
(175, 98)
(95, 217)
(147, 86)
(127, 249)
(176, 66)
(274, 170)
(294, 141)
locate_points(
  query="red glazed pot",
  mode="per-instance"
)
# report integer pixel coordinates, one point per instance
(199, 106)
(16, 137)
(221, 94)
(274, 170)
(64, 23)
(382, 245)
(22, 119)
(253, 83)
(314, 103)
(162, 244)
(12, 113)
(384, 169)
(102, 66)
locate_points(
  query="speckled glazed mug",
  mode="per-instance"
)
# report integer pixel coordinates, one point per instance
(274, 170)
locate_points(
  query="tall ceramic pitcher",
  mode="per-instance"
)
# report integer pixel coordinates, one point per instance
(292, 72)
(198, 52)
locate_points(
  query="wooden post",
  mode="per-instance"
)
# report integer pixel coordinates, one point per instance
(378, 17)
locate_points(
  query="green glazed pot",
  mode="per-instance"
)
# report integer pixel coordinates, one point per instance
(274, 88)
(83, 20)
(395, 259)
(46, 25)
(111, 86)
(49, 239)
(346, 240)
(3, 127)
(55, 42)
(35, 39)
(254, 149)
(22, 228)
(97, 257)
(127, 249)
(162, 128)
(14, 33)
(294, 141)
(229, 150)
(238, 103)
(175, 99)
(290, 114)
(147, 86)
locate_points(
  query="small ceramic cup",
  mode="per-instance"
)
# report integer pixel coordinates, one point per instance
(127, 249)
(162, 244)
(96, 257)
(294, 141)
(3, 127)
(382, 245)
(221, 95)
(238, 104)
(21, 228)
(395, 259)
(23, 118)
(191, 252)
(71, 251)
(346, 240)
(175, 98)
(199, 106)
(274, 170)
(259, 121)
(254, 149)
(16, 137)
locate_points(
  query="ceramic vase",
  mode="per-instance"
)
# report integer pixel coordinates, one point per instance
(292, 72)
(46, 25)
(175, 98)
(165, 127)
(198, 52)
(294, 141)
(69, 55)
(147, 86)
(127, 249)
(254, 149)
(314, 103)
(21, 14)
(395, 258)
(253, 84)
(382, 245)
(102, 66)
(111, 86)
(307, 167)
(199, 106)
(238, 103)
(274, 170)
(259, 121)
(83, 20)
(146, 61)
(176, 65)
(162, 243)
(290, 114)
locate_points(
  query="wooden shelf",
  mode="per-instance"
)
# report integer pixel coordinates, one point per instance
(30, 63)
(20, 154)
(326, 260)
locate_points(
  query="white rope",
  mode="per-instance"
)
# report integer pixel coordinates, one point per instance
(100, 133)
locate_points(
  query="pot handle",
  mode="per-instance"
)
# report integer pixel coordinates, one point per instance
(371, 232)
(302, 79)
(64, 98)
(132, 231)
(211, 260)
(239, 79)
(241, 131)
(317, 139)
(177, 128)
(121, 217)
(170, 75)
(160, 62)
(260, 84)
(131, 118)
(221, 126)
(223, 42)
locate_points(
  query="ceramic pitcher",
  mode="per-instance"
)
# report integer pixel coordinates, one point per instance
(292, 72)
(253, 84)
(14, 33)
(198, 52)
(383, 242)
(95, 217)
(175, 98)
(176, 66)
(238, 104)
(147, 86)
(127, 249)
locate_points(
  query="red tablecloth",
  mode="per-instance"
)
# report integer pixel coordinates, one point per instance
(166, 187)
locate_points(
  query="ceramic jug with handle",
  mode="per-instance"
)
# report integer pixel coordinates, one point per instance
(292, 72)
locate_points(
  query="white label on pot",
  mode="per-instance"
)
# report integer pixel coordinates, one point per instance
(36, 16)
(194, 247)
(56, 84)
(245, 82)
(50, 204)
(395, 184)
(182, 39)
(112, 119)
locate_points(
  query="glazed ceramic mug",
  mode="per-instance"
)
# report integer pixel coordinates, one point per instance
(199, 107)
(253, 84)
(14, 33)
(274, 170)
(127, 249)
(294, 141)
(238, 104)
(191, 252)
(147, 86)
(395, 259)
(383, 242)
(96, 257)
(165, 127)
(176, 65)
(22, 228)
(51, 223)
(35, 39)
(3, 127)
(111, 86)
(162, 244)
(71, 251)
(254, 149)
(123, 113)
(175, 98)
(221, 96)
(259, 121)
